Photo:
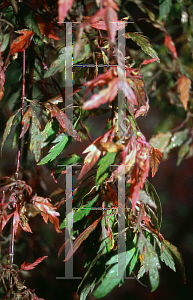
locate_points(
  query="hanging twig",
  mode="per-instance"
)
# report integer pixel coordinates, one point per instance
(11, 247)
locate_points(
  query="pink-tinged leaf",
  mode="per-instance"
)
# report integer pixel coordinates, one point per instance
(112, 4)
(155, 159)
(141, 169)
(99, 25)
(25, 227)
(94, 153)
(149, 61)
(184, 85)
(63, 120)
(90, 160)
(170, 45)
(127, 90)
(16, 219)
(63, 8)
(47, 211)
(100, 80)
(110, 19)
(102, 26)
(22, 42)
(82, 237)
(103, 96)
(142, 111)
(99, 15)
(25, 122)
(62, 248)
(2, 78)
(31, 266)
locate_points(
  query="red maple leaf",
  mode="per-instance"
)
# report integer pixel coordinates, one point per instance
(63, 8)
(47, 211)
(22, 42)
(31, 266)
(170, 45)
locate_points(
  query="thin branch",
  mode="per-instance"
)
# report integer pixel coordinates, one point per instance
(11, 246)
(182, 124)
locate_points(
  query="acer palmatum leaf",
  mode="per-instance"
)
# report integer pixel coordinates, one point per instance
(22, 42)
(155, 159)
(31, 266)
(47, 211)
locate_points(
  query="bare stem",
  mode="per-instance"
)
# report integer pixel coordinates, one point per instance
(11, 246)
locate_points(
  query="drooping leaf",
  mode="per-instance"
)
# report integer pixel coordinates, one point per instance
(170, 45)
(143, 42)
(36, 138)
(110, 280)
(146, 199)
(85, 53)
(49, 132)
(107, 94)
(154, 196)
(16, 219)
(7, 129)
(183, 152)
(177, 257)
(25, 122)
(58, 65)
(83, 236)
(184, 85)
(47, 211)
(155, 158)
(61, 142)
(148, 61)
(80, 213)
(63, 8)
(22, 42)
(28, 18)
(150, 262)
(2, 76)
(110, 19)
(104, 165)
(166, 256)
(102, 26)
(30, 266)
(164, 9)
(178, 139)
(94, 153)
(161, 140)
(63, 120)
(5, 42)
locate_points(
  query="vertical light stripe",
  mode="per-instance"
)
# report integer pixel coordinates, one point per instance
(69, 73)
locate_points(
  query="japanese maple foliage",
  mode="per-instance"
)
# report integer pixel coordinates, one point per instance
(34, 46)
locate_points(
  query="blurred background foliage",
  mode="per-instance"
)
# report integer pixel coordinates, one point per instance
(174, 183)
